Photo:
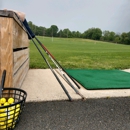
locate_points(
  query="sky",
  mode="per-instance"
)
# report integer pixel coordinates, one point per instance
(76, 15)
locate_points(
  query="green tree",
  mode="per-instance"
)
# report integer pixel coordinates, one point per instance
(67, 33)
(93, 33)
(60, 33)
(89, 33)
(106, 35)
(127, 41)
(78, 34)
(117, 39)
(128, 35)
(97, 33)
(54, 30)
(73, 34)
(48, 32)
(32, 26)
(39, 31)
(111, 36)
(123, 37)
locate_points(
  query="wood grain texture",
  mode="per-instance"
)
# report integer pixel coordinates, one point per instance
(19, 58)
(11, 14)
(0, 51)
(16, 63)
(20, 37)
(18, 78)
(6, 51)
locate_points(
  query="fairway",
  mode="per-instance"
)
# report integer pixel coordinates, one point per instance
(82, 54)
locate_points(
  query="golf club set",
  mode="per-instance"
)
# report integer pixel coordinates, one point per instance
(62, 71)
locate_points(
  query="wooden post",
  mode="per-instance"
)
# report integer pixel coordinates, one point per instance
(14, 51)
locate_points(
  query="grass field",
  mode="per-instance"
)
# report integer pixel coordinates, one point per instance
(81, 53)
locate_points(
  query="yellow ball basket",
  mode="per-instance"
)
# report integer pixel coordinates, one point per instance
(10, 113)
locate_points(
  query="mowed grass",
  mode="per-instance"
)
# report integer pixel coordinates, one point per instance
(81, 54)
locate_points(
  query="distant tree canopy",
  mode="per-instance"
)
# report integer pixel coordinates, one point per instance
(91, 33)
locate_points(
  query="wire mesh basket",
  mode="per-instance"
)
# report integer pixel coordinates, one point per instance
(10, 113)
(12, 103)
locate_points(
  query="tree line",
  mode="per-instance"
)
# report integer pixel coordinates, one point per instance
(91, 33)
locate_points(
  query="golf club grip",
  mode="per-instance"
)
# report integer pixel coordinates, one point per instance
(3, 79)
(28, 32)
(47, 62)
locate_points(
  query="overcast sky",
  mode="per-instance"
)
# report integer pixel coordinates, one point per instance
(77, 15)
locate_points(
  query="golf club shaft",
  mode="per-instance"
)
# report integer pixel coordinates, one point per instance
(59, 67)
(54, 73)
(2, 82)
(69, 83)
(56, 62)
(47, 63)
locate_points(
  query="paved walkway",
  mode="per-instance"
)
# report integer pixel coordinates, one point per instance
(41, 85)
(91, 114)
(47, 107)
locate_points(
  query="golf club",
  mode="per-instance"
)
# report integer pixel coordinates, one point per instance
(59, 67)
(46, 61)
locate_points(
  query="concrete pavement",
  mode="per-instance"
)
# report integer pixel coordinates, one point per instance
(91, 114)
(47, 109)
(41, 85)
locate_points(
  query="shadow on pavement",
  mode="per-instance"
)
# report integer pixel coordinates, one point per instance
(92, 114)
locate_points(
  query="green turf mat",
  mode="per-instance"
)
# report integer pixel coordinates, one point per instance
(101, 79)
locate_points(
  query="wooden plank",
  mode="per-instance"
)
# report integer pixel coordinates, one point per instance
(0, 50)
(20, 37)
(18, 78)
(19, 33)
(19, 58)
(11, 14)
(16, 63)
(6, 51)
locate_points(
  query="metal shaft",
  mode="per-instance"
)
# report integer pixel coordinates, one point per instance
(53, 72)
(2, 82)
(47, 63)
(56, 62)
(59, 67)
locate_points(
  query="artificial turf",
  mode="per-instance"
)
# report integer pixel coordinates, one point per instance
(101, 79)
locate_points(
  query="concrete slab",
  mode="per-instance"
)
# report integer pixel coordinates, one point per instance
(41, 85)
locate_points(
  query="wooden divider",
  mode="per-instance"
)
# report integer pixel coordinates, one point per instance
(14, 51)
